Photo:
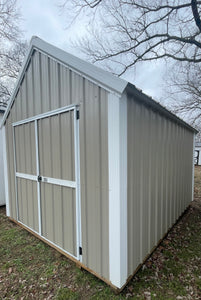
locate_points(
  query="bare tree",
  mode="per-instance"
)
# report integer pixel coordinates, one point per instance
(9, 18)
(129, 31)
(10, 64)
(182, 93)
(12, 48)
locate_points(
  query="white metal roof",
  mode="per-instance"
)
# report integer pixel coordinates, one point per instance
(102, 77)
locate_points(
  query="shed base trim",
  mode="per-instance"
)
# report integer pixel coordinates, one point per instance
(77, 262)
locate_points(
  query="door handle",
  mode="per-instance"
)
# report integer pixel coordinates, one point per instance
(39, 178)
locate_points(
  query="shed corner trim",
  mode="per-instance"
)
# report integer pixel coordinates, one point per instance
(117, 155)
(5, 171)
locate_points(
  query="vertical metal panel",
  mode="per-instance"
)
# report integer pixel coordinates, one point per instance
(58, 216)
(159, 178)
(94, 178)
(28, 203)
(37, 83)
(56, 146)
(54, 84)
(45, 86)
(30, 92)
(48, 85)
(23, 94)
(25, 148)
(64, 87)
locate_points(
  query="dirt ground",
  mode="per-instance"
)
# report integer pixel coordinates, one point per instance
(30, 269)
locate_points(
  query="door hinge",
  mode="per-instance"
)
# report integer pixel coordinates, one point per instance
(80, 250)
(78, 114)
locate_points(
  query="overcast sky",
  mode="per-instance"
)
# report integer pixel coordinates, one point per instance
(44, 19)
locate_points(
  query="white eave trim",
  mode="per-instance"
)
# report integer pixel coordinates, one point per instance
(117, 160)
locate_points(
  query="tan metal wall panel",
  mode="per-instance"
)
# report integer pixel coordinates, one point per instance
(58, 216)
(64, 88)
(159, 178)
(25, 148)
(56, 146)
(28, 203)
(48, 85)
(37, 82)
(94, 178)
(45, 90)
(54, 84)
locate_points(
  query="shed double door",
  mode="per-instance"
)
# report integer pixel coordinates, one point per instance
(47, 178)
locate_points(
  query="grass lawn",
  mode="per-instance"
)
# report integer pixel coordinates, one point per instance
(30, 269)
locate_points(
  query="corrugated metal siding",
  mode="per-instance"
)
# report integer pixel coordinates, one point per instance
(28, 203)
(159, 178)
(58, 216)
(94, 178)
(25, 148)
(47, 85)
(56, 146)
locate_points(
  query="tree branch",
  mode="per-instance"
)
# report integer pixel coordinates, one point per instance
(196, 15)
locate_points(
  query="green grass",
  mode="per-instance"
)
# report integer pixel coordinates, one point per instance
(31, 269)
(64, 293)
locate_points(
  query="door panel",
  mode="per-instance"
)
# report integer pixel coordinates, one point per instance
(25, 148)
(56, 146)
(58, 185)
(27, 203)
(58, 209)
(46, 155)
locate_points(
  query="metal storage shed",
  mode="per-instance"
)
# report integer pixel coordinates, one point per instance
(95, 167)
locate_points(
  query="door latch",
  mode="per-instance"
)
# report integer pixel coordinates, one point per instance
(39, 178)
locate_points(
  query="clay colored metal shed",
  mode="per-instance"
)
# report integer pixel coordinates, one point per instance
(95, 168)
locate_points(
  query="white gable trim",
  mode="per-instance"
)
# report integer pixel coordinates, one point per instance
(85, 69)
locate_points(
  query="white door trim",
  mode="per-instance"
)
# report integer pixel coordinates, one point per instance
(15, 170)
(26, 176)
(38, 183)
(66, 183)
(77, 183)
(46, 114)
(61, 182)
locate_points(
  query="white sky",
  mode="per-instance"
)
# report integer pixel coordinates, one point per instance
(43, 19)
